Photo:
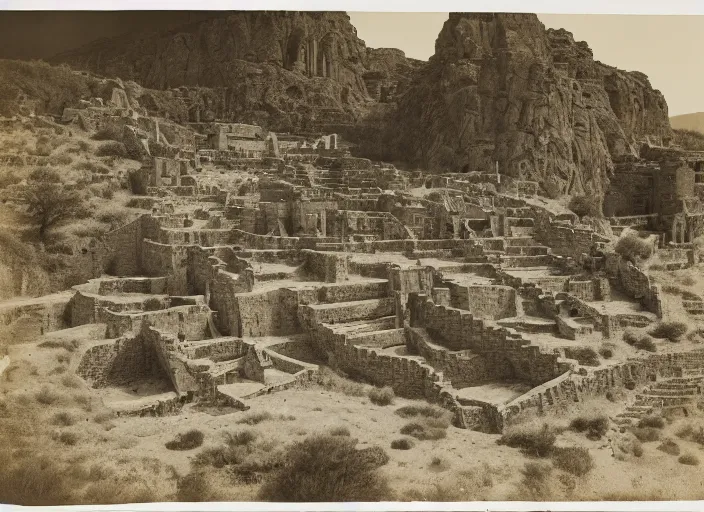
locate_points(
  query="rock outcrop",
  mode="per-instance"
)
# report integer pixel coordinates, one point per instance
(501, 88)
(283, 70)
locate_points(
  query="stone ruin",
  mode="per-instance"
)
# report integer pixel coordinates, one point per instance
(473, 294)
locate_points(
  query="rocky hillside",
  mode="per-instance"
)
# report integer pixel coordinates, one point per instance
(284, 70)
(501, 88)
(694, 122)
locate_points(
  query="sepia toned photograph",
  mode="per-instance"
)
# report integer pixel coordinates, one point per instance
(303, 256)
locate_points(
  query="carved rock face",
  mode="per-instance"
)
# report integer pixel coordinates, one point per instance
(500, 88)
(281, 69)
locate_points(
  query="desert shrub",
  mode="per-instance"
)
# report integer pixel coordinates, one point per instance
(62, 159)
(255, 418)
(633, 248)
(104, 417)
(630, 337)
(63, 419)
(577, 461)
(531, 439)
(423, 431)
(115, 216)
(69, 345)
(382, 396)
(652, 422)
(186, 441)
(606, 352)
(92, 167)
(646, 343)
(594, 426)
(104, 134)
(240, 438)
(402, 444)
(194, 487)
(671, 331)
(688, 459)
(339, 431)
(327, 468)
(585, 206)
(646, 434)
(670, 447)
(8, 178)
(536, 480)
(220, 456)
(439, 463)
(689, 433)
(112, 148)
(331, 381)
(71, 381)
(637, 449)
(68, 438)
(426, 411)
(153, 304)
(46, 396)
(63, 357)
(585, 356)
(34, 481)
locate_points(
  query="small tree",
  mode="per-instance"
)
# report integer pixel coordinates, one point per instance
(47, 199)
(633, 248)
(588, 206)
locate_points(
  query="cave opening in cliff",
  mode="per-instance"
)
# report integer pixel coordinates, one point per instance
(293, 49)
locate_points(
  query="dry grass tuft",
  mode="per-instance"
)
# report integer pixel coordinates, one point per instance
(382, 396)
(536, 440)
(186, 441)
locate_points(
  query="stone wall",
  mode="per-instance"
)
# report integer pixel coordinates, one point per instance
(119, 363)
(490, 302)
(568, 388)
(326, 267)
(634, 282)
(190, 320)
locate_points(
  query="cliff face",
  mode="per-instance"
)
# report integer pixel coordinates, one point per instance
(500, 88)
(280, 69)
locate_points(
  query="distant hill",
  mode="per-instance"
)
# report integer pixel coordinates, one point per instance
(693, 121)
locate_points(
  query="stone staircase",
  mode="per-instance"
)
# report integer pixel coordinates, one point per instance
(368, 320)
(674, 393)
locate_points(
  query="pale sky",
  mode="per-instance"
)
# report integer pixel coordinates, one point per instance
(666, 48)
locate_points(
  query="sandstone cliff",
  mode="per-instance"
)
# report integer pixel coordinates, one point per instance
(500, 88)
(285, 70)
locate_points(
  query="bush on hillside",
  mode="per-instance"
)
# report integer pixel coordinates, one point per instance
(594, 426)
(585, 206)
(382, 396)
(577, 461)
(633, 248)
(187, 441)
(531, 439)
(328, 468)
(671, 331)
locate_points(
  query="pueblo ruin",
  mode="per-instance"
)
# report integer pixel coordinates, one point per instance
(530, 249)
